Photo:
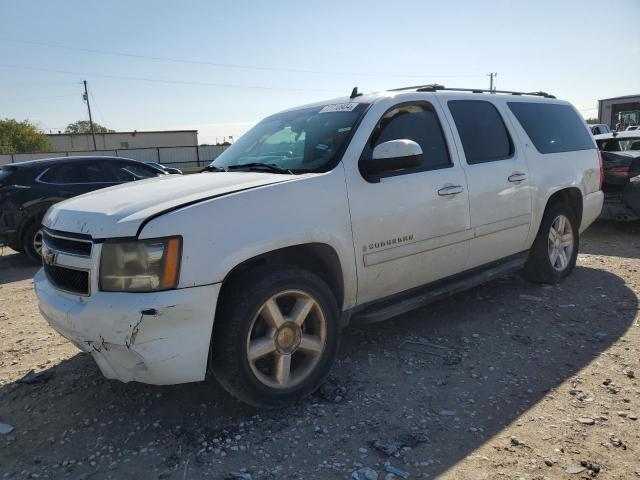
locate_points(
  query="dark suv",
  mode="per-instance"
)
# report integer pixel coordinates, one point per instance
(28, 189)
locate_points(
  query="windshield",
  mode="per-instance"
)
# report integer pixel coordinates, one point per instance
(299, 141)
(619, 144)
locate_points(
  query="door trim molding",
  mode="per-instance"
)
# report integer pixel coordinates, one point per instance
(423, 246)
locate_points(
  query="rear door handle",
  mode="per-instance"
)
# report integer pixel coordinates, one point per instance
(450, 190)
(517, 177)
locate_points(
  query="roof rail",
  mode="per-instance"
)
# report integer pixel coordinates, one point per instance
(433, 87)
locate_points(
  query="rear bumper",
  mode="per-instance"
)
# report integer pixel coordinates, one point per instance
(591, 208)
(158, 338)
(623, 205)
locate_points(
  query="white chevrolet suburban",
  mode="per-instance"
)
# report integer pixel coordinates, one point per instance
(351, 210)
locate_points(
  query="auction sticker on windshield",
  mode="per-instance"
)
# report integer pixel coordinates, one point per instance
(339, 107)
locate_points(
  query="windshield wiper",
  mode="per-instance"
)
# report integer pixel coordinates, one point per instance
(213, 168)
(260, 166)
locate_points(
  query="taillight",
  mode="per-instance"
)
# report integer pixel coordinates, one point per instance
(600, 159)
(621, 169)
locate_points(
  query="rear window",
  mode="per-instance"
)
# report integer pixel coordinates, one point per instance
(551, 127)
(482, 132)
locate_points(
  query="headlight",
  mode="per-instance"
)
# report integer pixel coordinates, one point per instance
(140, 265)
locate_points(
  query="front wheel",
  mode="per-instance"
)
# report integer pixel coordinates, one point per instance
(555, 250)
(275, 336)
(32, 242)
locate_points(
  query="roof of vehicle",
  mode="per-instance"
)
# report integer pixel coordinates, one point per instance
(47, 161)
(620, 135)
(431, 89)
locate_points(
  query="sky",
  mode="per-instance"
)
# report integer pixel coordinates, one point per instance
(219, 67)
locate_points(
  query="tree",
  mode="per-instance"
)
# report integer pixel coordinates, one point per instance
(21, 137)
(591, 121)
(83, 126)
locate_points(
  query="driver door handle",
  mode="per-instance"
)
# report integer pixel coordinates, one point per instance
(450, 190)
(517, 177)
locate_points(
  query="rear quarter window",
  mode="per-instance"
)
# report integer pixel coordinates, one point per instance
(552, 128)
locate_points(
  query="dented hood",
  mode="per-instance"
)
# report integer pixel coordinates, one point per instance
(120, 211)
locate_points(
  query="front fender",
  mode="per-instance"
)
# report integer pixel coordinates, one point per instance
(220, 234)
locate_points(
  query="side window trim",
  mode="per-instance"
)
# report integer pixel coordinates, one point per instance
(367, 150)
(512, 144)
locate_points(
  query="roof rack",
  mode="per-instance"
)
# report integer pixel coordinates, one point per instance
(433, 87)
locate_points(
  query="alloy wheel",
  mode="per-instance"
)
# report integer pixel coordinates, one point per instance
(560, 243)
(286, 339)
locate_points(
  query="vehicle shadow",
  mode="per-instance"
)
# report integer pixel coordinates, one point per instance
(15, 266)
(610, 238)
(478, 361)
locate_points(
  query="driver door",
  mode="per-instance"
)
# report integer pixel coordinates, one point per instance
(410, 226)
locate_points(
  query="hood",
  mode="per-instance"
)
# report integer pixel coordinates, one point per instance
(120, 211)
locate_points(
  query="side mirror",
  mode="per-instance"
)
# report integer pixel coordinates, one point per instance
(394, 155)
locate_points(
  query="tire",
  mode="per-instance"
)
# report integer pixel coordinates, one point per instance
(540, 266)
(245, 319)
(29, 239)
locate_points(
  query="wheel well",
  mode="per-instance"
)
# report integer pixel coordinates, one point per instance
(319, 258)
(572, 197)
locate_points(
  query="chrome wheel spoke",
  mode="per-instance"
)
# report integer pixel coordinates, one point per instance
(561, 243)
(301, 310)
(272, 314)
(310, 344)
(286, 339)
(261, 347)
(562, 258)
(282, 369)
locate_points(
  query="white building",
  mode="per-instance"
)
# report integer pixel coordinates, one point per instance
(81, 142)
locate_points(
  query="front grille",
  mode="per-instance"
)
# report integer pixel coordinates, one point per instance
(67, 245)
(74, 281)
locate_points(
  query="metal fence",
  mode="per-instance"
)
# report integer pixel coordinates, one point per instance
(179, 157)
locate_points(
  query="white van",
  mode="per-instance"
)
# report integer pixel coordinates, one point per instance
(350, 210)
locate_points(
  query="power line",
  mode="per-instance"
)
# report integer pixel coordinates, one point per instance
(95, 104)
(173, 82)
(228, 65)
(40, 98)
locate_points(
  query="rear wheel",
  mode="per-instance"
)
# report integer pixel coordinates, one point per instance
(555, 250)
(275, 337)
(32, 242)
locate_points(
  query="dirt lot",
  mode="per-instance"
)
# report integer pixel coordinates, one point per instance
(508, 381)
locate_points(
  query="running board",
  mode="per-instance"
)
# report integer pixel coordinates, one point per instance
(405, 302)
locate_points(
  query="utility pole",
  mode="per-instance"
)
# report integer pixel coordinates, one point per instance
(492, 87)
(86, 99)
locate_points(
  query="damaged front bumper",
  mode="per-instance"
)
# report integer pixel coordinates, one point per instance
(159, 338)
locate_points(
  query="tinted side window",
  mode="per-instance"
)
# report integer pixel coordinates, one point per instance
(551, 127)
(75, 172)
(417, 122)
(130, 171)
(482, 131)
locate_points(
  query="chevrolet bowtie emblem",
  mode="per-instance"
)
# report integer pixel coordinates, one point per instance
(48, 257)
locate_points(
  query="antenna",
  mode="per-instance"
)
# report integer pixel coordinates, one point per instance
(354, 93)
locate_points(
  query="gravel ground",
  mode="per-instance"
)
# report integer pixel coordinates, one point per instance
(507, 381)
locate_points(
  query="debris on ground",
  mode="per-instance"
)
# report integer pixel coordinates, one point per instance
(395, 470)
(364, 473)
(5, 428)
(40, 377)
